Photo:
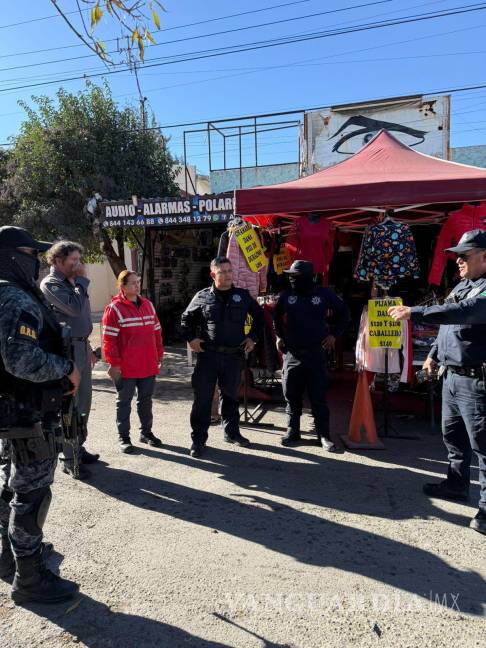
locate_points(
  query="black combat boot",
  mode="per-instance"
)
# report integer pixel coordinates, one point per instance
(446, 490)
(327, 444)
(152, 440)
(35, 583)
(238, 440)
(126, 445)
(7, 561)
(292, 438)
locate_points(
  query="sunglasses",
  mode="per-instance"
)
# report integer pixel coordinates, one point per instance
(465, 257)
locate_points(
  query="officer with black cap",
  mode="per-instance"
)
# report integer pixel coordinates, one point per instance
(31, 370)
(460, 349)
(304, 336)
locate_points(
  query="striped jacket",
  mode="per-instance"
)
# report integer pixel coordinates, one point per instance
(132, 337)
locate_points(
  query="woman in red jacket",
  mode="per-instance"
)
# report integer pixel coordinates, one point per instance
(132, 344)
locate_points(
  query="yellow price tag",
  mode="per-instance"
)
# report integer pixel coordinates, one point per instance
(383, 331)
(282, 261)
(248, 323)
(251, 247)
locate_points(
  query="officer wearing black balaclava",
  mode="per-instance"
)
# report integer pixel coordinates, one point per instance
(31, 371)
(303, 336)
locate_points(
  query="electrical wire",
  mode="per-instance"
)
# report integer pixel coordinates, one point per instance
(260, 45)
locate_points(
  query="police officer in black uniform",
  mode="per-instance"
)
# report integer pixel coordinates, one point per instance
(304, 339)
(31, 373)
(214, 326)
(460, 349)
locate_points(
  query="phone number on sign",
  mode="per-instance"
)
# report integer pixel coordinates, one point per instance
(194, 219)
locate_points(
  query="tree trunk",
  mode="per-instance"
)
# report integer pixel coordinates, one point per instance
(117, 264)
(120, 242)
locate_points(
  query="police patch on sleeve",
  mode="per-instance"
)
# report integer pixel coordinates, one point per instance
(27, 327)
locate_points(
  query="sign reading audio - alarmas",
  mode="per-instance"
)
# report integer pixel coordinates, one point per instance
(383, 331)
(251, 247)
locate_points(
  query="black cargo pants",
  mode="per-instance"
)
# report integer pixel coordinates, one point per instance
(225, 370)
(306, 369)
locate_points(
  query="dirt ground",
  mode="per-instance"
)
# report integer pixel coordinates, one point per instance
(265, 546)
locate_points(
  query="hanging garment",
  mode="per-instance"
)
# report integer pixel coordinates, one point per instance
(311, 239)
(467, 218)
(243, 277)
(387, 254)
(223, 244)
(373, 359)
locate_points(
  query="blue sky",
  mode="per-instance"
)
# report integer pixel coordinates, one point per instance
(420, 57)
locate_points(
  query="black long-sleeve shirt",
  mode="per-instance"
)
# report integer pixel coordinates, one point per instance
(306, 324)
(219, 321)
(462, 335)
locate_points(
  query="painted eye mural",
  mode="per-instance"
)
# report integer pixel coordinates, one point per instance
(367, 128)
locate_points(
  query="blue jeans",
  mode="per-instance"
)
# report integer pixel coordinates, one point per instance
(464, 429)
(126, 389)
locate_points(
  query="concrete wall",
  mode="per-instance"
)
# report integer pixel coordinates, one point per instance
(475, 155)
(229, 179)
(102, 285)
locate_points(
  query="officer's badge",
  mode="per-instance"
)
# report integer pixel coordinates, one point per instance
(236, 298)
(292, 299)
(316, 301)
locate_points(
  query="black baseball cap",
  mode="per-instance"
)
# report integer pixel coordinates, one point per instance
(472, 240)
(15, 237)
(300, 267)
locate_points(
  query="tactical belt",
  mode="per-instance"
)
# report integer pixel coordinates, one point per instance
(33, 432)
(309, 349)
(470, 372)
(224, 349)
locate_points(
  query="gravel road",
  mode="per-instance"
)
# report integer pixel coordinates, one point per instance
(261, 547)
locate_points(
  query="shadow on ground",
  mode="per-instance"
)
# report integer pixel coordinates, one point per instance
(308, 538)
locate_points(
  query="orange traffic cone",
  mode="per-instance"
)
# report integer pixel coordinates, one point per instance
(362, 429)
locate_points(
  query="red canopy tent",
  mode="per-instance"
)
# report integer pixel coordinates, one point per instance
(384, 174)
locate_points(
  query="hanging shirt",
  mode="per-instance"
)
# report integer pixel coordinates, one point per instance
(387, 254)
(465, 219)
(373, 359)
(243, 277)
(311, 240)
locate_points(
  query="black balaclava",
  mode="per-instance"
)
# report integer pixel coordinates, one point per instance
(19, 266)
(301, 283)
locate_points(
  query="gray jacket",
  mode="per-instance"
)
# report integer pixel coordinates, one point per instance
(70, 302)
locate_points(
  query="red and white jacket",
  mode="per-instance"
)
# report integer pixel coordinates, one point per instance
(132, 337)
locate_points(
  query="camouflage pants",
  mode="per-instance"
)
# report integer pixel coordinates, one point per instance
(17, 481)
